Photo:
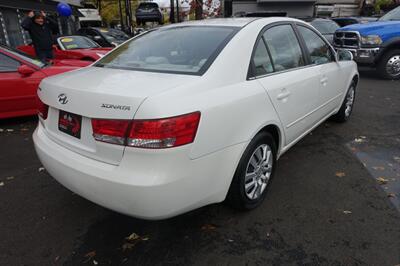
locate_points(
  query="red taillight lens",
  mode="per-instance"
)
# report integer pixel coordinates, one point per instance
(164, 133)
(111, 131)
(42, 108)
(153, 134)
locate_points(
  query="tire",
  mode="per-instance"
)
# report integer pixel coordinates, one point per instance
(389, 65)
(344, 113)
(239, 194)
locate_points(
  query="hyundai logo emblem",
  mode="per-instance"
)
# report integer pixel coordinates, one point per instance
(62, 98)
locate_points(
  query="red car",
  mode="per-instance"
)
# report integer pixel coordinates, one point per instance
(73, 47)
(20, 76)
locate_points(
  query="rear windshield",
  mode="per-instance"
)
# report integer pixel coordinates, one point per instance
(185, 50)
(148, 5)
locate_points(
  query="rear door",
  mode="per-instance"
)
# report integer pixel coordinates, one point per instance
(280, 66)
(17, 92)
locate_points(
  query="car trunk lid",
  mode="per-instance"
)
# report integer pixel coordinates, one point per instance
(100, 93)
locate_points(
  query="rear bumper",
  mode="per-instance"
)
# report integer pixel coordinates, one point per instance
(147, 184)
(144, 16)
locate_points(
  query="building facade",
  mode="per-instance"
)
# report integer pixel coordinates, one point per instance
(13, 12)
(292, 8)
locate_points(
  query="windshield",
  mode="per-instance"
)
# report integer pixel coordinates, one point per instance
(325, 27)
(392, 15)
(76, 42)
(185, 50)
(112, 35)
(27, 58)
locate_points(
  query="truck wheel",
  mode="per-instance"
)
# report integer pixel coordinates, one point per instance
(389, 65)
(254, 173)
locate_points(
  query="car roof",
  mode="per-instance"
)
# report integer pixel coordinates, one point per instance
(230, 22)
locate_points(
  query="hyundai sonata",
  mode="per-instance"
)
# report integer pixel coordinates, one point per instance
(191, 114)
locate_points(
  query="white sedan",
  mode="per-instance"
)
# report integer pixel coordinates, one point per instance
(191, 114)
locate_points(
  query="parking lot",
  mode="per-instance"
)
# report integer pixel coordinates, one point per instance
(334, 201)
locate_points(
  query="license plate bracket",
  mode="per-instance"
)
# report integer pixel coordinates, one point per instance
(70, 123)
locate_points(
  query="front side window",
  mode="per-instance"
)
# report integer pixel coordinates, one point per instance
(261, 60)
(185, 50)
(26, 57)
(284, 47)
(7, 64)
(319, 51)
(325, 27)
(392, 15)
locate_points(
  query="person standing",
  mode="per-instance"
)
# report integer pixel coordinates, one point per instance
(40, 29)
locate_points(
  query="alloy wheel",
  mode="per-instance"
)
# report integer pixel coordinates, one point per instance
(258, 171)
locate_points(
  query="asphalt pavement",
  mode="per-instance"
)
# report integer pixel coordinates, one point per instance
(334, 201)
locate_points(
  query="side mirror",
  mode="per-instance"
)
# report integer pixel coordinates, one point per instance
(344, 55)
(25, 70)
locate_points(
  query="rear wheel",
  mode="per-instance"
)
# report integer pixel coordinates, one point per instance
(389, 65)
(347, 106)
(254, 173)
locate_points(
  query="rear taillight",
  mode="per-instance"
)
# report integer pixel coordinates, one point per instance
(111, 131)
(42, 108)
(164, 133)
(151, 134)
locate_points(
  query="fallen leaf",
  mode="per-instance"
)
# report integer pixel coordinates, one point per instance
(347, 212)
(9, 177)
(340, 174)
(381, 180)
(90, 254)
(353, 149)
(41, 169)
(380, 168)
(133, 237)
(128, 246)
(1, 184)
(208, 227)
(391, 195)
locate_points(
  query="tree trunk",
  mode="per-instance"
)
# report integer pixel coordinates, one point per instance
(199, 9)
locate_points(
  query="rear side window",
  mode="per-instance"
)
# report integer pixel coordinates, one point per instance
(284, 47)
(319, 51)
(261, 60)
(7, 64)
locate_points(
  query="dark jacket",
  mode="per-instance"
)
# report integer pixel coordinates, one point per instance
(41, 35)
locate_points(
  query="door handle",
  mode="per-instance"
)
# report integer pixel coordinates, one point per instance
(324, 81)
(283, 95)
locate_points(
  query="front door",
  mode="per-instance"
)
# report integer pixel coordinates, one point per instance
(17, 92)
